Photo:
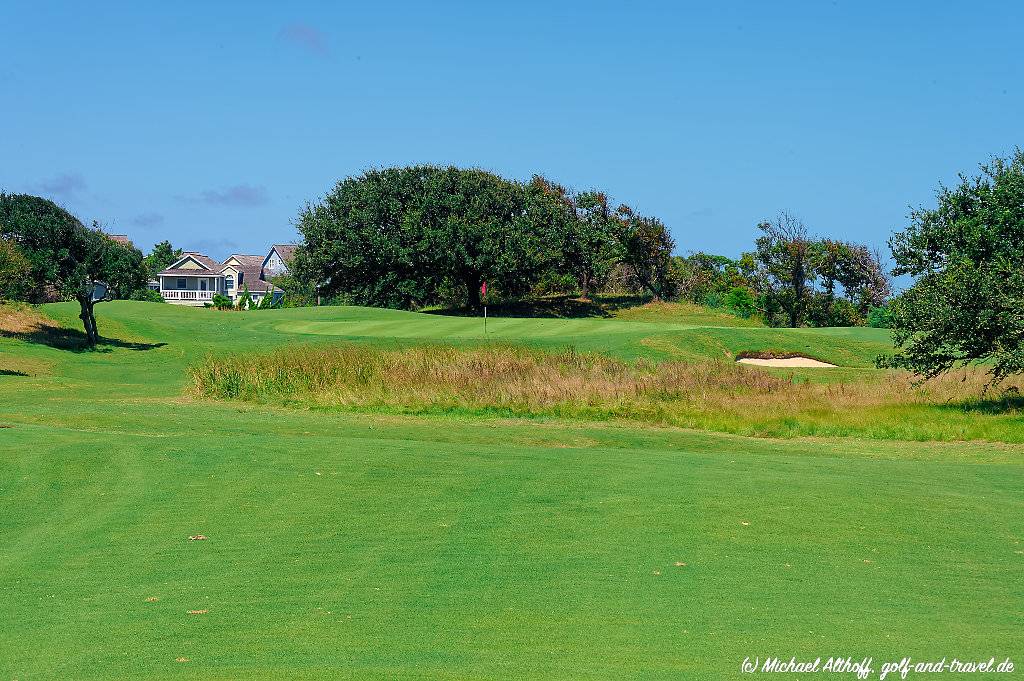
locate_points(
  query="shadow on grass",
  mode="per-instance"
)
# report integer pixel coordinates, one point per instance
(12, 372)
(552, 307)
(1009, 402)
(72, 339)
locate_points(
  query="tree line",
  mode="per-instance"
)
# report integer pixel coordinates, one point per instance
(420, 235)
(409, 237)
(47, 255)
(425, 235)
(791, 279)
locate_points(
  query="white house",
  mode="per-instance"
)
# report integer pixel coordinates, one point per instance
(195, 278)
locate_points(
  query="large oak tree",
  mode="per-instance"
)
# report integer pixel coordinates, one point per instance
(396, 237)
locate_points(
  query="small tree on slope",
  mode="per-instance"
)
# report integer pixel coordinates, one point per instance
(78, 262)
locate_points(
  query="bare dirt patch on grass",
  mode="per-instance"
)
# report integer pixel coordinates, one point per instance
(19, 319)
(22, 366)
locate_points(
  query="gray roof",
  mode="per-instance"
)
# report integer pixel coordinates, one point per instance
(286, 251)
(246, 260)
(203, 259)
(253, 278)
(206, 261)
(262, 287)
(188, 273)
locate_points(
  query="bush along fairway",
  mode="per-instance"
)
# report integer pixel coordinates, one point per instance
(354, 493)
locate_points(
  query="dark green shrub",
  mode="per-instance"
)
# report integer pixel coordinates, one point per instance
(296, 293)
(714, 300)
(880, 317)
(845, 313)
(267, 302)
(245, 301)
(740, 302)
(147, 295)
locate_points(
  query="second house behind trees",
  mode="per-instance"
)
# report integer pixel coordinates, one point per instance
(194, 278)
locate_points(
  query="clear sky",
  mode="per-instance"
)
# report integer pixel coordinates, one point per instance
(211, 124)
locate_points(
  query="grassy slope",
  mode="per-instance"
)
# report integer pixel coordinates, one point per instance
(682, 337)
(374, 546)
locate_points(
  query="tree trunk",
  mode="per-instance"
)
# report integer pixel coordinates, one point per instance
(88, 318)
(585, 286)
(830, 296)
(472, 290)
(799, 293)
(649, 285)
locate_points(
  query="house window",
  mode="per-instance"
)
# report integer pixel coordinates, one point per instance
(229, 281)
(241, 276)
(181, 282)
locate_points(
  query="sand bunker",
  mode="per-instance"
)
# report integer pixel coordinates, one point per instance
(787, 362)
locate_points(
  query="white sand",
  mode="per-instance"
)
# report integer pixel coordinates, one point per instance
(788, 362)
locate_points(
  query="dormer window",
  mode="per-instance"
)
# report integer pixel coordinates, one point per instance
(229, 281)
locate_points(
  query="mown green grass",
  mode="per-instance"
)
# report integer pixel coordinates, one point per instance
(608, 306)
(368, 545)
(680, 338)
(851, 401)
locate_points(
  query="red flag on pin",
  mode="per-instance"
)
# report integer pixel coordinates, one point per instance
(483, 290)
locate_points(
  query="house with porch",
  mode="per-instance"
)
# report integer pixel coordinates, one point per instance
(194, 279)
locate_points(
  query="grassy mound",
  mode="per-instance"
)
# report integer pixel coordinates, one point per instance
(622, 307)
(682, 313)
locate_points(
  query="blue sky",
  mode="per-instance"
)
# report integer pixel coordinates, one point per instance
(211, 124)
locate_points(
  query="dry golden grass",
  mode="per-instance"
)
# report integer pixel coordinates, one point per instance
(21, 319)
(715, 395)
(495, 376)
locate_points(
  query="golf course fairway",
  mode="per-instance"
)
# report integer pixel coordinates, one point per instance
(377, 544)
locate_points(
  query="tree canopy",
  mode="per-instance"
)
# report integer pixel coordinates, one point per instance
(801, 276)
(396, 237)
(14, 272)
(967, 259)
(75, 261)
(414, 236)
(161, 257)
(407, 237)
